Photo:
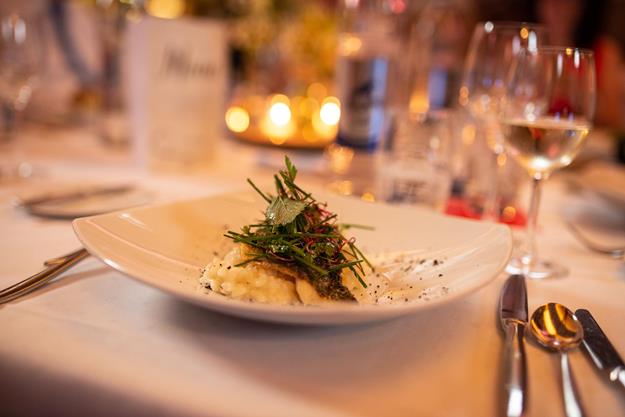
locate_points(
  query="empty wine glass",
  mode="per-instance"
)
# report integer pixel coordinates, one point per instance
(21, 58)
(491, 51)
(546, 116)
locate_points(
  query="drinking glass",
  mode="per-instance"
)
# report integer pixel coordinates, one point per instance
(21, 57)
(545, 118)
(491, 51)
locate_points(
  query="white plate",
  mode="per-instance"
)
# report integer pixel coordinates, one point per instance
(166, 246)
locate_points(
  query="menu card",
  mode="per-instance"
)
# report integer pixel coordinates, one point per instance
(176, 76)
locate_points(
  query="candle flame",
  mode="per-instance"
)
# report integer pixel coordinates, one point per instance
(280, 114)
(237, 119)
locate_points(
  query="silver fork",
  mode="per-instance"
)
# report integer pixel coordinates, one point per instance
(614, 251)
(54, 267)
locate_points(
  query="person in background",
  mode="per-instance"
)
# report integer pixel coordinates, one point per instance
(591, 24)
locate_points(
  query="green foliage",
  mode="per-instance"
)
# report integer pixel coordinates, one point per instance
(298, 232)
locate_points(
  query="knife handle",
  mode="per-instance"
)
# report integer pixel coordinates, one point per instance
(515, 371)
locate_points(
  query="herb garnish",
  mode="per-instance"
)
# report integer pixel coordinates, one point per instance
(300, 233)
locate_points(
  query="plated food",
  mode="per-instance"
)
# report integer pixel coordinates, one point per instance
(296, 254)
(424, 259)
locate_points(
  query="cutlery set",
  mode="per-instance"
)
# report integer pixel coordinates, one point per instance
(558, 329)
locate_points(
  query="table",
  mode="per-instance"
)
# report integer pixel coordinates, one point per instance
(99, 344)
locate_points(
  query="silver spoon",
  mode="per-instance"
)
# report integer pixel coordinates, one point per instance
(556, 328)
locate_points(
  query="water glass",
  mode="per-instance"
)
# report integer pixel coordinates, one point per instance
(412, 164)
(492, 49)
(21, 59)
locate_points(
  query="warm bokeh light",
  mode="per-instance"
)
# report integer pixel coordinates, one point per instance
(278, 125)
(309, 120)
(468, 134)
(309, 134)
(464, 96)
(165, 9)
(419, 102)
(317, 90)
(501, 159)
(340, 158)
(237, 119)
(368, 196)
(279, 98)
(524, 33)
(344, 187)
(330, 112)
(277, 134)
(307, 107)
(350, 45)
(508, 214)
(280, 114)
(323, 130)
(278, 140)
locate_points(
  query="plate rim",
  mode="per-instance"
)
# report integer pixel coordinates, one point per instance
(300, 314)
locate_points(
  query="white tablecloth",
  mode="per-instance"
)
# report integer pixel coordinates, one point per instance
(95, 343)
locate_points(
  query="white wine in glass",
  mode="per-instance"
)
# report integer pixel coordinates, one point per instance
(544, 145)
(545, 118)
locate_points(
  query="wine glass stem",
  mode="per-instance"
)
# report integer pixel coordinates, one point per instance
(530, 255)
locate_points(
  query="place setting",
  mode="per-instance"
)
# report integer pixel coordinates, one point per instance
(557, 329)
(341, 209)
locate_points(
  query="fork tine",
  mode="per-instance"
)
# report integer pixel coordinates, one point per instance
(63, 258)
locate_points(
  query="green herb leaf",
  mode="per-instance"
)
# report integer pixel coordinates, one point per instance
(290, 168)
(267, 199)
(283, 210)
(299, 232)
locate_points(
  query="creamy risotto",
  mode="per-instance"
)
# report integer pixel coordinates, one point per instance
(251, 282)
(268, 283)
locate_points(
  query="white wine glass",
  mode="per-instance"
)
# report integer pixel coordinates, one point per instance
(491, 52)
(21, 61)
(545, 118)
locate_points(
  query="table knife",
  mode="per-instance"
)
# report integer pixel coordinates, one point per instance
(600, 350)
(513, 318)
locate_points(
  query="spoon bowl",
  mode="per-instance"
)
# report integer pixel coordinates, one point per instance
(555, 327)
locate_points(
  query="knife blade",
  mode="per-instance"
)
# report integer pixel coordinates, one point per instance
(599, 348)
(513, 318)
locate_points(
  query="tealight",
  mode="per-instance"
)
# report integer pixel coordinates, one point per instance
(237, 119)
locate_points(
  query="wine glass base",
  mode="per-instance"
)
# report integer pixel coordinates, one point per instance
(537, 269)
